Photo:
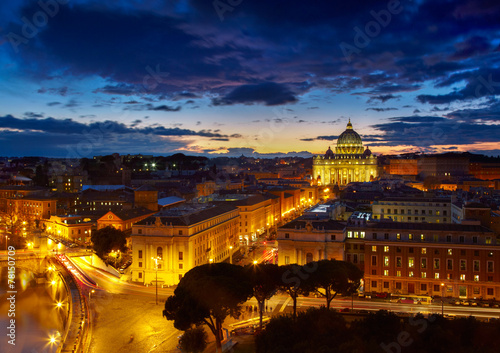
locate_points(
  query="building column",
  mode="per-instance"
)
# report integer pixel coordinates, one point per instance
(170, 256)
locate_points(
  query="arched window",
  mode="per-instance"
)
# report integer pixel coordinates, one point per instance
(309, 257)
(159, 252)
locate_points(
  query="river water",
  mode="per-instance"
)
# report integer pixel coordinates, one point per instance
(37, 318)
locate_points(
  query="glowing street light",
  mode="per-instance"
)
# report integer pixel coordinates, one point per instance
(59, 304)
(255, 262)
(442, 299)
(231, 254)
(53, 339)
(90, 293)
(116, 255)
(155, 259)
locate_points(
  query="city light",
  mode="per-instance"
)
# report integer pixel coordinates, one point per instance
(59, 304)
(156, 259)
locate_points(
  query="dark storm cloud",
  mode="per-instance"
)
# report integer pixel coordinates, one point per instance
(185, 95)
(270, 53)
(33, 115)
(480, 83)
(77, 146)
(324, 138)
(381, 109)
(269, 93)
(120, 88)
(135, 123)
(489, 114)
(72, 103)
(461, 127)
(62, 91)
(69, 126)
(394, 87)
(103, 41)
(470, 47)
(427, 131)
(139, 107)
(188, 53)
(166, 108)
(383, 98)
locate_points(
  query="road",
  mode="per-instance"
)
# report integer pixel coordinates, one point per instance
(132, 309)
(127, 315)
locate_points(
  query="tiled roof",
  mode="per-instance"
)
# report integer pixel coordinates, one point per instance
(317, 224)
(452, 227)
(146, 187)
(252, 200)
(188, 218)
(132, 213)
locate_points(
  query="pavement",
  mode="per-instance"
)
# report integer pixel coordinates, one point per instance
(130, 323)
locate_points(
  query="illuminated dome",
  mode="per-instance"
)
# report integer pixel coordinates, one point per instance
(329, 153)
(349, 143)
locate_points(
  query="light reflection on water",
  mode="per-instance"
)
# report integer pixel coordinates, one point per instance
(37, 318)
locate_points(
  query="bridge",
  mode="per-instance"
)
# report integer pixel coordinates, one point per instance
(44, 268)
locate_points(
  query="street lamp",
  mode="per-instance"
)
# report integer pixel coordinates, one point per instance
(155, 259)
(90, 293)
(115, 255)
(442, 299)
(230, 254)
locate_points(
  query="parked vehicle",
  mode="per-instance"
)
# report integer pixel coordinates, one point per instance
(411, 299)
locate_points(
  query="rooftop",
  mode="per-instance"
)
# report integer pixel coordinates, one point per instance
(452, 227)
(186, 215)
(329, 224)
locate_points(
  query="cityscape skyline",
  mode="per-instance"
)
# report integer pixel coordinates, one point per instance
(85, 78)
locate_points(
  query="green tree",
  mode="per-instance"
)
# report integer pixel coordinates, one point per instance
(265, 280)
(333, 277)
(207, 294)
(106, 239)
(193, 340)
(294, 281)
(315, 331)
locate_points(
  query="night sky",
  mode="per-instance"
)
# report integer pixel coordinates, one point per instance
(258, 77)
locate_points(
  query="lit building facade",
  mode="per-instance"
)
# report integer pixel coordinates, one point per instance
(349, 163)
(182, 238)
(74, 228)
(400, 209)
(258, 214)
(123, 220)
(302, 241)
(426, 259)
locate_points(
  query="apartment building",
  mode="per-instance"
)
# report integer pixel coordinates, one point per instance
(425, 258)
(173, 241)
(401, 209)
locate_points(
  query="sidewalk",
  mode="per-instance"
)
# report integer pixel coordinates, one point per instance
(243, 343)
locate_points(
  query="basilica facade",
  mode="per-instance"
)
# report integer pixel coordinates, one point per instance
(350, 162)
